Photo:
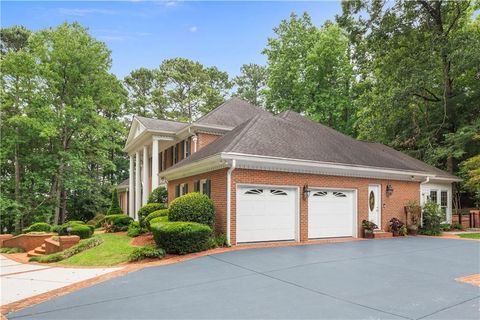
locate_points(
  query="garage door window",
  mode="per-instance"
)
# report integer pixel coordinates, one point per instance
(340, 194)
(320, 194)
(254, 191)
(278, 192)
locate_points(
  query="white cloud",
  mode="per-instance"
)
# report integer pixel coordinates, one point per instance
(193, 29)
(78, 12)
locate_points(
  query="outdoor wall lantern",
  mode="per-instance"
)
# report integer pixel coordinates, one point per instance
(389, 189)
(306, 191)
(69, 230)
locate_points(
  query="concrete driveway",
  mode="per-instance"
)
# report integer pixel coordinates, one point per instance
(399, 278)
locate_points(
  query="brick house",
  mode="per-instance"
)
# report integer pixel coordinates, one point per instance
(277, 177)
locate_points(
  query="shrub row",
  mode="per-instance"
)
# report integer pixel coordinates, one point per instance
(134, 229)
(181, 237)
(81, 246)
(147, 209)
(77, 228)
(11, 250)
(193, 207)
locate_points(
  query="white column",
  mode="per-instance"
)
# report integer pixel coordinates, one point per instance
(138, 185)
(154, 164)
(145, 175)
(131, 188)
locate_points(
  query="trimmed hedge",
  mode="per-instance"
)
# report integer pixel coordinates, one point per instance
(193, 207)
(153, 215)
(181, 237)
(147, 209)
(158, 195)
(82, 230)
(116, 222)
(38, 227)
(58, 256)
(146, 252)
(159, 220)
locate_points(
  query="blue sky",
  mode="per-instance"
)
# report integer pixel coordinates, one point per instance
(143, 33)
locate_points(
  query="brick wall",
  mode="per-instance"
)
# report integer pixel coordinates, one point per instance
(204, 139)
(218, 193)
(392, 206)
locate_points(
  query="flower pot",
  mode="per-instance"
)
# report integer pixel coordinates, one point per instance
(368, 234)
(396, 233)
(412, 232)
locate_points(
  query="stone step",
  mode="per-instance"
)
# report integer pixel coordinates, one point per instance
(32, 253)
(381, 234)
(43, 246)
(39, 250)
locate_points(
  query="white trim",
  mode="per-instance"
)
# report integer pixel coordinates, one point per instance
(380, 204)
(229, 198)
(297, 195)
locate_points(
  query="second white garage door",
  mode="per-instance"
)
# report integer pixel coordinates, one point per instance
(331, 213)
(265, 214)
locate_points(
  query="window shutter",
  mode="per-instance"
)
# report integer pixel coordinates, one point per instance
(208, 184)
(177, 190)
(196, 186)
(186, 188)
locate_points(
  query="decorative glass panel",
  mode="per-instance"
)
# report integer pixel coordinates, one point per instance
(278, 192)
(254, 191)
(320, 194)
(339, 194)
(371, 200)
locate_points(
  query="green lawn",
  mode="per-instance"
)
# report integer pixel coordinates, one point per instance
(470, 235)
(115, 249)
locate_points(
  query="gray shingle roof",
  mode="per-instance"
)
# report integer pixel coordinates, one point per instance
(231, 113)
(124, 184)
(161, 125)
(291, 135)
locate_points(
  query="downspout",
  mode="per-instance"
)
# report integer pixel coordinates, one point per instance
(427, 180)
(229, 196)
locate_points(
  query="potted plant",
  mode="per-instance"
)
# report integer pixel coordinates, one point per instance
(395, 226)
(368, 228)
(413, 213)
(403, 231)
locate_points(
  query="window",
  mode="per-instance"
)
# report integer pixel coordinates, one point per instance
(205, 187)
(433, 196)
(175, 153)
(160, 161)
(339, 194)
(444, 200)
(254, 191)
(177, 191)
(278, 192)
(172, 153)
(187, 147)
(196, 186)
(320, 194)
(182, 150)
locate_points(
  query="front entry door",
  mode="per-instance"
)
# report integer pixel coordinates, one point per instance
(374, 204)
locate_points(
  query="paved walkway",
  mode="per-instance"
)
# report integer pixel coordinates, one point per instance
(397, 278)
(19, 281)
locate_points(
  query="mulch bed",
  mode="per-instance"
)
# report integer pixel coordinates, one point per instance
(143, 240)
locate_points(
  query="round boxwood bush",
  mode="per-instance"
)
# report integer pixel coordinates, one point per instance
(181, 237)
(38, 227)
(82, 230)
(153, 215)
(192, 207)
(147, 209)
(116, 222)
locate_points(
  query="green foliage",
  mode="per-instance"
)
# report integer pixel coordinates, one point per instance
(160, 220)
(153, 215)
(181, 237)
(96, 220)
(146, 252)
(10, 214)
(432, 219)
(116, 222)
(251, 83)
(58, 256)
(82, 230)
(134, 229)
(158, 195)
(11, 250)
(193, 207)
(115, 205)
(219, 241)
(456, 226)
(38, 227)
(470, 235)
(147, 209)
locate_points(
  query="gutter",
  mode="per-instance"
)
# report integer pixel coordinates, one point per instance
(229, 196)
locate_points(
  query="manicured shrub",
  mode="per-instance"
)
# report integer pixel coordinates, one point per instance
(82, 230)
(115, 204)
(159, 220)
(11, 250)
(75, 221)
(158, 195)
(147, 209)
(38, 227)
(153, 215)
(116, 222)
(217, 242)
(432, 219)
(147, 252)
(134, 229)
(192, 207)
(58, 256)
(96, 220)
(181, 237)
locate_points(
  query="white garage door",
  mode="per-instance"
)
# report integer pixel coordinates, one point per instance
(265, 214)
(331, 213)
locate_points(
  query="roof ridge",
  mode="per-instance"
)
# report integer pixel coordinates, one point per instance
(212, 111)
(235, 141)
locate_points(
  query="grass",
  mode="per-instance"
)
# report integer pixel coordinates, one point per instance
(469, 235)
(115, 249)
